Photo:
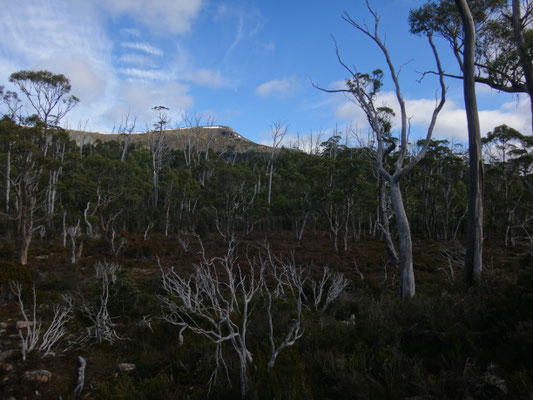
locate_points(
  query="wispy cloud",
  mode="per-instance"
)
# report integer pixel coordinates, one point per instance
(148, 74)
(171, 16)
(137, 59)
(249, 22)
(278, 87)
(144, 47)
(207, 77)
(130, 32)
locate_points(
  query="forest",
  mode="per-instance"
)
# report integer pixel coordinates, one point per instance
(203, 268)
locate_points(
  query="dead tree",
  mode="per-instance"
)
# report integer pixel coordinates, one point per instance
(158, 147)
(32, 338)
(101, 328)
(125, 130)
(363, 90)
(278, 130)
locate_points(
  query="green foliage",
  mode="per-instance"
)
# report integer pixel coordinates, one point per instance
(497, 58)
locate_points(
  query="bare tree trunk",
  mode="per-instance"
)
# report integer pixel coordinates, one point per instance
(8, 181)
(525, 58)
(473, 258)
(24, 238)
(407, 280)
(270, 172)
(383, 219)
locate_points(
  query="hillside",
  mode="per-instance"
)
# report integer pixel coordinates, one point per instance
(217, 137)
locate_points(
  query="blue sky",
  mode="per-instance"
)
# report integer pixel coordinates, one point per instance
(247, 64)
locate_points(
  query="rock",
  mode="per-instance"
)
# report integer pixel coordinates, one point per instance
(6, 367)
(24, 324)
(39, 376)
(3, 325)
(2, 331)
(7, 354)
(126, 367)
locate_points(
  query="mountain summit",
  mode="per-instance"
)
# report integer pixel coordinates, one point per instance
(215, 137)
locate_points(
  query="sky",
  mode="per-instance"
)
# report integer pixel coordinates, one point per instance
(247, 64)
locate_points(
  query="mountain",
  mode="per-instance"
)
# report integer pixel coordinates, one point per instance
(217, 137)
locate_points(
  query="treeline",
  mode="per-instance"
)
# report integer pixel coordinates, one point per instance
(56, 190)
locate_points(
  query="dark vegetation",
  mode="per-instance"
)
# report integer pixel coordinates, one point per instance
(444, 343)
(198, 265)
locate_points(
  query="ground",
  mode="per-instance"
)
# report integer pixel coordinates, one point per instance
(342, 350)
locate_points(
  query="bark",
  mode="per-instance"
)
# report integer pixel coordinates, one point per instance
(407, 277)
(8, 181)
(24, 236)
(473, 258)
(384, 225)
(525, 58)
(270, 172)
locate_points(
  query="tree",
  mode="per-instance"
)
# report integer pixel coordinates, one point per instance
(158, 146)
(507, 159)
(503, 52)
(48, 96)
(474, 233)
(278, 131)
(364, 88)
(26, 180)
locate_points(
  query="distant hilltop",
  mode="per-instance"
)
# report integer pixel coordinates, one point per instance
(216, 137)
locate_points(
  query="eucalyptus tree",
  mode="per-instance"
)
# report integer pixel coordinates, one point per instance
(26, 178)
(278, 130)
(503, 50)
(509, 158)
(474, 233)
(158, 147)
(364, 89)
(13, 105)
(48, 96)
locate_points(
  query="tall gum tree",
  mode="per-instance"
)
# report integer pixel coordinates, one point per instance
(363, 89)
(504, 40)
(36, 149)
(474, 233)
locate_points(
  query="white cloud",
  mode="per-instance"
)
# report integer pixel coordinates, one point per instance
(62, 37)
(130, 32)
(137, 59)
(247, 21)
(138, 98)
(147, 74)
(207, 77)
(451, 122)
(173, 16)
(278, 87)
(145, 47)
(70, 37)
